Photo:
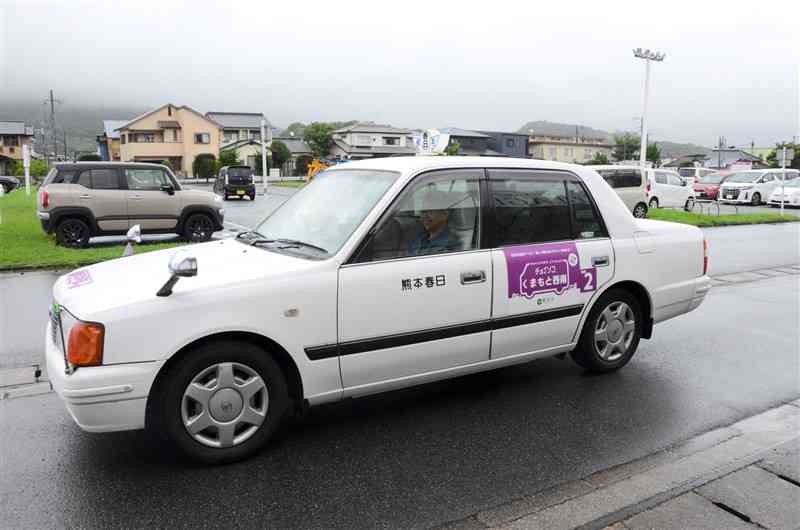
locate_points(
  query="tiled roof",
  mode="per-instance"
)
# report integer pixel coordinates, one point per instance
(110, 126)
(455, 131)
(15, 127)
(238, 120)
(369, 127)
(297, 146)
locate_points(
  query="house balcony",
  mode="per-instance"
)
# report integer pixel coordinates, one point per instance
(14, 152)
(151, 149)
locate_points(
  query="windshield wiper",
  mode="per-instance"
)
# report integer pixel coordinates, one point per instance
(300, 243)
(253, 237)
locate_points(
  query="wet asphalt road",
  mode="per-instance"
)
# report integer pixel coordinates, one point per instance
(422, 456)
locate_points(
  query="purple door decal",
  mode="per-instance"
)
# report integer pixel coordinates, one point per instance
(547, 268)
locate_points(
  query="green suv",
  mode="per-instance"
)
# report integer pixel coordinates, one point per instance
(81, 200)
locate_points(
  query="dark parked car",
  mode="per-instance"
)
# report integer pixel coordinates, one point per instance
(236, 181)
(9, 184)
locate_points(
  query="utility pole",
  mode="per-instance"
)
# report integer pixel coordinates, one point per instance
(52, 124)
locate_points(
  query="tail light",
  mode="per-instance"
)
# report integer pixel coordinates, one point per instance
(705, 257)
(45, 199)
(648, 187)
(86, 344)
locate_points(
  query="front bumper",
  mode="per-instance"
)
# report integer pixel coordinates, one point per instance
(102, 398)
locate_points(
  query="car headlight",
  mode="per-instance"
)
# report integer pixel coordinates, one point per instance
(217, 198)
(746, 187)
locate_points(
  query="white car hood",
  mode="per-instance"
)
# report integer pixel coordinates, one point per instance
(92, 290)
(737, 184)
(787, 191)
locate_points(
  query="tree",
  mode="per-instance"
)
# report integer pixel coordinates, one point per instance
(452, 149)
(90, 157)
(319, 137)
(298, 128)
(204, 165)
(229, 157)
(653, 154)
(39, 168)
(280, 153)
(167, 163)
(775, 157)
(626, 147)
(600, 159)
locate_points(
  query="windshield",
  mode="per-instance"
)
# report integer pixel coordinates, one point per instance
(327, 211)
(713, 178)
(743, 177)
(793, 183)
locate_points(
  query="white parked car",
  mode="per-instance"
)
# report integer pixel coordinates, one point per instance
(669, 190)
(752, 186)
(379, 274)
(628, 183)
(788, 194)
(693, 174)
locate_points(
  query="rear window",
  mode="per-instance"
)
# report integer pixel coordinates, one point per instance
(622, 178)
(59, 176)
(686, 171)
(239, 172)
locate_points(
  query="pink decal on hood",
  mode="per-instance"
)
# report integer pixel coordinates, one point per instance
(78, 278)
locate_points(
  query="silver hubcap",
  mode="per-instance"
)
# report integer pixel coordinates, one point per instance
(224, 405)
(614, 331)
(639, 211)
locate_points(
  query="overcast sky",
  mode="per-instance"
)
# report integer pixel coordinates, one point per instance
(731, 68)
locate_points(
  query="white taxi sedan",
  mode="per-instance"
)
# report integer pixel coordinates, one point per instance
(378, 275)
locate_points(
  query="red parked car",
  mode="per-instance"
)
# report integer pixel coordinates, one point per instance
(708, 187)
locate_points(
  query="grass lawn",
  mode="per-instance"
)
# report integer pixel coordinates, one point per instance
(698, 219)
(288, 183)
(24, 245)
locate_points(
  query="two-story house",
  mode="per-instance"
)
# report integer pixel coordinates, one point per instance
(371, 140)
(13, 135)
(471, 143)
(241, 132)
(173, 133)
(575, 149)
(108, 142)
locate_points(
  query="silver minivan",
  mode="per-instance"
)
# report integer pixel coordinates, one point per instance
(629, 184)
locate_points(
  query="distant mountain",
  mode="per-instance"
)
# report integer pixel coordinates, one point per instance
(80, 122)
(668, 149)
(562, 129)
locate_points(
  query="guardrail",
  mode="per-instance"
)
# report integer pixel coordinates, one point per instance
(707, 206)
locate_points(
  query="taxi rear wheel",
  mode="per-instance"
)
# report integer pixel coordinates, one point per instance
(219, 404)
(611, 333)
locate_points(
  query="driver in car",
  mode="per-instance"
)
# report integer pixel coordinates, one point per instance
(436, 236)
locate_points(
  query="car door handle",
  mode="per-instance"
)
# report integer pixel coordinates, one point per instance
(600, 261)
(473, 277)
(85, 196)
(135, 197)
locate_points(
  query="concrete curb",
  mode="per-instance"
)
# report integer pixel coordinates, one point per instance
(612, 495)
(35, 389)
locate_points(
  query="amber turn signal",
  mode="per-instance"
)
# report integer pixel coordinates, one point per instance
(86, 344)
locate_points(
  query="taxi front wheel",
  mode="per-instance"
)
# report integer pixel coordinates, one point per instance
(611, 333)
(219, 404)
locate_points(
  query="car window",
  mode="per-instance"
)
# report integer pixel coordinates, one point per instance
(438, 214)
(586, 220)
(661, 178)
(622, 178)
(62, 177)
(674, 181)
(85, 179)
(529, 207)
(768, 177)
(145, 179)
(105, 179)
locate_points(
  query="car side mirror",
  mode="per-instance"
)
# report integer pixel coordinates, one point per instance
(168, 189)
(181, 265)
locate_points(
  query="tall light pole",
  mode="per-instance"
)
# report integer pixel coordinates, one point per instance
(648, 56)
